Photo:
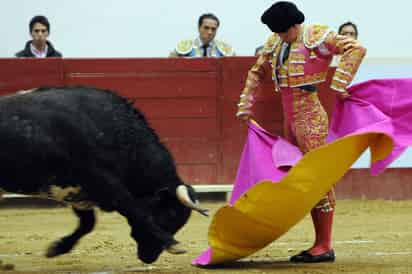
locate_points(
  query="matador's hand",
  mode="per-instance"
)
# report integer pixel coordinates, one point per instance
(344, 95)
(243, 116)
(244, 107)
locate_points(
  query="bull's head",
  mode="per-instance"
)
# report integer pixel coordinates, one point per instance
(171, 210)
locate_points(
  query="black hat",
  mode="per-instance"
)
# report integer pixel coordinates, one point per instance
(281, 16)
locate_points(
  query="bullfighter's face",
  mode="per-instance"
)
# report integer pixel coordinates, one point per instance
(291, 35)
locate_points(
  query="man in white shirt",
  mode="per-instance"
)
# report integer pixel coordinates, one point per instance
(39, 46)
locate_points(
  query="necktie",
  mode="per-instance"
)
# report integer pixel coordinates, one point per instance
(286, 54)
(204, 47)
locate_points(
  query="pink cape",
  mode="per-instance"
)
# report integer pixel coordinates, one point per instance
(382, 106)
(377, 106)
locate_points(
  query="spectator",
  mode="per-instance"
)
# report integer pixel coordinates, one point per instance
(349, 29)
(205, 45)
(39, 46)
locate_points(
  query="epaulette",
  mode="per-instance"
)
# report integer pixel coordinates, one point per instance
(184, 47)
(272, 42)
(224, 48)
(314, 35)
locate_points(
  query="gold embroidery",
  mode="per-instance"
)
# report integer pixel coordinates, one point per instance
(282, 71)
(307, 79)
(309, 121)
(296, 69)
(225, 48)
(312, 54)
(352, 56)
(328, 202)
(295, 45)
(255, 74)
(283, 82)
(184, 47)
(338, 86)
(270, 45)
(342, 76)
(315, 35)
(297, 58)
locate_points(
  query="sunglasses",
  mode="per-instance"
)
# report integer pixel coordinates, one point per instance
(40, 30)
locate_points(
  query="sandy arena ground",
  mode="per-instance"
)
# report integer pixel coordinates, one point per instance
(370, 237)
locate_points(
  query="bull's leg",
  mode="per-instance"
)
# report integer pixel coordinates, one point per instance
(87, 221)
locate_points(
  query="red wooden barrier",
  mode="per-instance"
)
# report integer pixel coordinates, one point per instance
(191, 103)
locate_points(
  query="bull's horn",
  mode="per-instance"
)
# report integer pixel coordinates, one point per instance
(183, 195)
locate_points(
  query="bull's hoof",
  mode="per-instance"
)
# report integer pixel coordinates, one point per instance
(58, 248)
(176, 249)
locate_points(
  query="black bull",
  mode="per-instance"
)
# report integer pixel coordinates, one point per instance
(90, 147)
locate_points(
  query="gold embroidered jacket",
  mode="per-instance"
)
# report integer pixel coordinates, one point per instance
(307, 64)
